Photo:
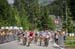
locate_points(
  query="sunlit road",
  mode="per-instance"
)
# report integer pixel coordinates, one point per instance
(15, 45)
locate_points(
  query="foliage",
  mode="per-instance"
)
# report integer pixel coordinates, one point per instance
(30, 14)
(6, 16)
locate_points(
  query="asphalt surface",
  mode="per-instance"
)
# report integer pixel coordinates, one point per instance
(16, 45)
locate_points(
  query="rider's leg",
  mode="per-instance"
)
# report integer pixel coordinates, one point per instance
(40, 41)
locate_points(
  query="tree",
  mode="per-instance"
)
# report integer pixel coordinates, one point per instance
(72, 8)
(6, 14)
(68, 19)
(33, 12)
(30, 12)
(23, 17)
(17, 17)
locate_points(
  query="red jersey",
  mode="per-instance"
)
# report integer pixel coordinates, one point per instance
(30, 33)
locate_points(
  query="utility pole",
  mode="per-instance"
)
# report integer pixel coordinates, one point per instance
(65, 14)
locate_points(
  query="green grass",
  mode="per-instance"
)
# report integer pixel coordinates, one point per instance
(70, 41)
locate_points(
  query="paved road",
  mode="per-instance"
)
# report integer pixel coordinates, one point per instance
(15, 45)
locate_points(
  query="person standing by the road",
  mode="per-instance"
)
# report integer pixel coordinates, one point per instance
(61, 39)
(10, 35)
(56, 35)
(0, 37)
(3, 34)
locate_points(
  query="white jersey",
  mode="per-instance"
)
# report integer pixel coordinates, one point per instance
(46, 34)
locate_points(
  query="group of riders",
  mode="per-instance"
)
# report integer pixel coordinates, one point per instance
(40, 37)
